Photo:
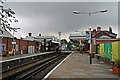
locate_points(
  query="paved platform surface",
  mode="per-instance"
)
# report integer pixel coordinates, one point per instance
(22, 55)
(15, 56)
(77, 66)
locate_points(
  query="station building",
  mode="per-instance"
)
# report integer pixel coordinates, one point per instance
(44, 43)
(98, 36)
(10, 45)
(79, 39)
(28, 45)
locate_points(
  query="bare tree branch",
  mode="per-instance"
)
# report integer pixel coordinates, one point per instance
(6, 17)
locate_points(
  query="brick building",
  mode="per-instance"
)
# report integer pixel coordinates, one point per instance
(7, 45)
(43, 43)
(20, 45)
(101, 36)
(98, 36)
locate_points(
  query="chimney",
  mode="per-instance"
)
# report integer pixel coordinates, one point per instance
(30, 34)
(110, 29)
(21, 38)
(98, 29)
(94, 31)
(39, 35)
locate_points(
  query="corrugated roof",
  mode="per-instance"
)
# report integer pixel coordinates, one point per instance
(30, 38)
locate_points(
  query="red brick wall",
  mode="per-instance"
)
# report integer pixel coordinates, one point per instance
(9, 44)
(4, 40)
(22, 44)
(31, 43)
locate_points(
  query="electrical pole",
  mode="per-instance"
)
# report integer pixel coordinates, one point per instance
(90, 13)
(90, 46)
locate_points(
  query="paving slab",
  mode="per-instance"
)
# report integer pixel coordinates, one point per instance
(77, 66)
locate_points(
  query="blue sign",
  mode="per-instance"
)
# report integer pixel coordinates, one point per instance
(87, 36)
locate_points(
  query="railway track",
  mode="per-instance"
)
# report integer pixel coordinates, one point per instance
(32, 70)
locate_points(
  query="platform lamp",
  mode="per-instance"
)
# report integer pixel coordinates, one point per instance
(59, 33)
(90, 13)
(14, 42)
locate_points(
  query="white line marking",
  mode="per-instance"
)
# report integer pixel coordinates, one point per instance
(56, 67)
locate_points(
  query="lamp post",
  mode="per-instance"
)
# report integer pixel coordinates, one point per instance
(90, 13)
(59, 33)
(14, 42)
(1, 36)
(90, 45)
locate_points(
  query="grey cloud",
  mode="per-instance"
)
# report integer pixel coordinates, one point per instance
(48, 17)
(63, 0)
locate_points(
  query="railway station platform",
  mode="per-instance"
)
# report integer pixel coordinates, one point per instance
(21, 56)
(76, 66)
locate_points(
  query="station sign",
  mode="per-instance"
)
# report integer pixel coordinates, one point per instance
(78, 35)
(87, 36)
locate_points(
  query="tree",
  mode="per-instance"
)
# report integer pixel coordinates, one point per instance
(6, 17)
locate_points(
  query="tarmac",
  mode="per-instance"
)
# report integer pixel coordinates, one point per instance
(77, 66)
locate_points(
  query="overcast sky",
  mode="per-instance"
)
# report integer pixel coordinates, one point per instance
(49, 18)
